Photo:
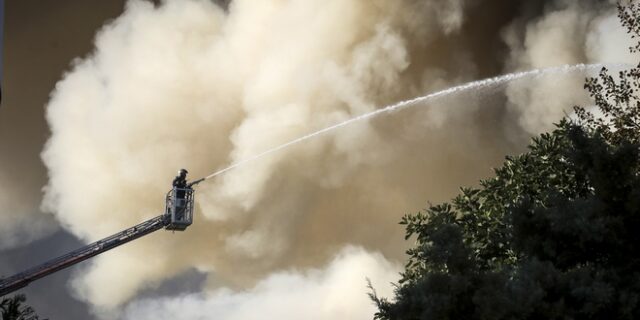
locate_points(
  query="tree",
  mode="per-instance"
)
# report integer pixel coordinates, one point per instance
(14, 309)
(552, 236)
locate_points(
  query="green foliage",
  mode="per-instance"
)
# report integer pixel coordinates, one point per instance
(617, 99)
(552, 236)
(14, 309)
(630, 19)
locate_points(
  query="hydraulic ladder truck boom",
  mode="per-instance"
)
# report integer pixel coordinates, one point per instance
(178, 216)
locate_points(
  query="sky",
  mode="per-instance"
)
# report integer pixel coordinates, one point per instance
(103, 102)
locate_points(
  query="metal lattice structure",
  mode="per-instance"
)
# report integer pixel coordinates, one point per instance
(179, 208)
(178, 216)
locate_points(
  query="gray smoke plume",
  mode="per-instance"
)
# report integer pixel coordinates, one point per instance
(37, 48)
(189, 84)
(568, 32)
(334, 292)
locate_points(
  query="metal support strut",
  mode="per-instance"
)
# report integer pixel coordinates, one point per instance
(22, 279)
(177, 217)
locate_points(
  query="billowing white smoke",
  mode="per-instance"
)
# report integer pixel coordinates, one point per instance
(36, 48)
(335, 292)
(185, 84)
(569, 32)
(20, 221)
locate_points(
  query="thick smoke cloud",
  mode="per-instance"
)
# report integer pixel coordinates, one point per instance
(21, 222)
(37, 47)
(569, 32)
(188, 84)
(335, 292)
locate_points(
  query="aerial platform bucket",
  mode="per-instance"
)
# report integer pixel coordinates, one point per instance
(179, 210)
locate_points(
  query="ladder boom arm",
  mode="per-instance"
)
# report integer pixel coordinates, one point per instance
(22, 279)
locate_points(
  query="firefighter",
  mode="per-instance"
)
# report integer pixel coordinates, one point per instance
(180, 184)
(180, 180)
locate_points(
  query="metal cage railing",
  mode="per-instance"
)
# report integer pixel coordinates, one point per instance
(179, 208)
